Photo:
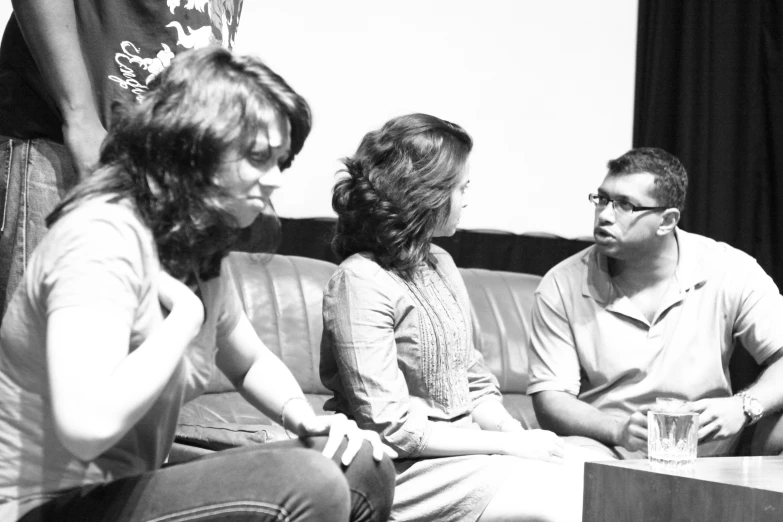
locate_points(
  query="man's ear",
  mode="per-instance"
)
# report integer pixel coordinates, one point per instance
(669, 219)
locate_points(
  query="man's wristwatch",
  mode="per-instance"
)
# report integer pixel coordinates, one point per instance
(751, 406)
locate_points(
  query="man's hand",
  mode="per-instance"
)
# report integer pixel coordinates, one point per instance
(719, 418)
(83, 138)
(633, 433)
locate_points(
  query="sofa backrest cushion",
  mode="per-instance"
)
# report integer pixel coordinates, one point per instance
(501, 305)
(283, 295)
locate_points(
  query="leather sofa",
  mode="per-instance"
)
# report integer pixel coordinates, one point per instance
(282, 296)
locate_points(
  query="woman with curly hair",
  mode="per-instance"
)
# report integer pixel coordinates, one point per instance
(397, 348)
(123, 309)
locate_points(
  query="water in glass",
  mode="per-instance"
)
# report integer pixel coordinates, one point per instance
(673, 435)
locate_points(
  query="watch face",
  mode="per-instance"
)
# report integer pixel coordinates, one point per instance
(752, 407)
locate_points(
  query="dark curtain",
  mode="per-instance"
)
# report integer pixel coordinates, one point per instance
(709, 89)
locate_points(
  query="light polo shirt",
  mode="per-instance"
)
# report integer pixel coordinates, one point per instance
(589, 340)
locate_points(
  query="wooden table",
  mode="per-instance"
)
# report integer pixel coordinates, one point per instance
(730, 489)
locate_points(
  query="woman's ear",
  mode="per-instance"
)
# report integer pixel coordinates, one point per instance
(669, 219)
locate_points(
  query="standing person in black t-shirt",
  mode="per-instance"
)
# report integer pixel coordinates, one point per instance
(63, 63)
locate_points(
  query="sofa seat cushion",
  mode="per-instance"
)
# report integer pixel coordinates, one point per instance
(224, 435)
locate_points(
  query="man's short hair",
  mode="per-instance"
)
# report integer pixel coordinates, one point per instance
(671, 180)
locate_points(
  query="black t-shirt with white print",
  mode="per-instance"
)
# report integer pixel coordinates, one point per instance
(125, 44)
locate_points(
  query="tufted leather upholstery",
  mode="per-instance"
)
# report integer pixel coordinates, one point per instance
(282, 296)
(501, 306)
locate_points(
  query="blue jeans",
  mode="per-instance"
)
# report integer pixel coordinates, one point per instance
(281, 481)
(34, 176)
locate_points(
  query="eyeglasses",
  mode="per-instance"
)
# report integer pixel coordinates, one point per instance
(619, 205)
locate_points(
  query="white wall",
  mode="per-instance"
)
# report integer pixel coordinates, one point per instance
(544, 87)
(5, 13)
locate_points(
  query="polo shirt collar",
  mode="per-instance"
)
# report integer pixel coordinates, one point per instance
(691, 269)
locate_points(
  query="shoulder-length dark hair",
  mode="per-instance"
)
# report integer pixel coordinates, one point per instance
(163, 154)
(398, 190)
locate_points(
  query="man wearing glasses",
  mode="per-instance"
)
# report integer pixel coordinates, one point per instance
(651, 311)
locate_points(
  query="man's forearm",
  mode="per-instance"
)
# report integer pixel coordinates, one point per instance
(767, 388)
(49, 28)
(566, 415)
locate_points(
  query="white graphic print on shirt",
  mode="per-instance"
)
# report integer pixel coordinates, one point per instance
(195, 24)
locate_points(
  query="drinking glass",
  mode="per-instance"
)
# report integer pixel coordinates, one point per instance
(673, 434)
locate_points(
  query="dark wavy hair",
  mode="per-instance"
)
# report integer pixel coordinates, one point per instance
(163, 154)
(671, 180)
(398, 190)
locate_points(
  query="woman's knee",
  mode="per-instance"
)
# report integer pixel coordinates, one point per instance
(307, 485)
(538, 491)
(319, 484)
(371, 484)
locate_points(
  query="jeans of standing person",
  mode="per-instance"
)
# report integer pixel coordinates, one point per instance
(280, 481)
(34, 176)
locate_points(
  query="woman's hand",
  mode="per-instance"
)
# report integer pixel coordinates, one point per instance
(338, 427)
(178, 299)
(535, 444)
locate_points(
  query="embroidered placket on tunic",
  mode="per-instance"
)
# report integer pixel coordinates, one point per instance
(444, 328)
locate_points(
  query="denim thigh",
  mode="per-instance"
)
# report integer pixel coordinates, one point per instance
(283, 481)
(273, 481)
(34, 176)
(371, 482)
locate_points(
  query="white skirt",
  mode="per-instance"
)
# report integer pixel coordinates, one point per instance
(449, 488)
